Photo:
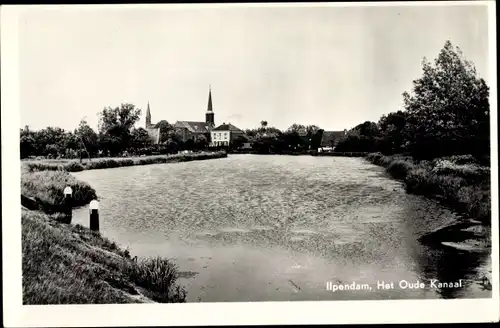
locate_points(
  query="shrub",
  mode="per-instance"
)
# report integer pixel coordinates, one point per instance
(74, 167)
(462, 159)
(48, 187)
(449, 187)
(159, 275)
(471, 172)
(456, 180)
(421, 181)
(399, 168)
(476, 200)
(376, 158)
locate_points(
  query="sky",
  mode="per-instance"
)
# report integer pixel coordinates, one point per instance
(334, 67)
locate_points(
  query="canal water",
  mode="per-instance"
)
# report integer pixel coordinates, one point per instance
(283, 228)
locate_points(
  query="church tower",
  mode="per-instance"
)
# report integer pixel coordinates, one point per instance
(209, 116)
(148, 117)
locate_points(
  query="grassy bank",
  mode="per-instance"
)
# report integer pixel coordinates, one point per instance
(106, 163)
(458, 181)
(68, 264)
(47, 188)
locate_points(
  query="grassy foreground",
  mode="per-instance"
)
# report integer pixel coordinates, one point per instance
(106, 163)
(69, 264)
(458, 181)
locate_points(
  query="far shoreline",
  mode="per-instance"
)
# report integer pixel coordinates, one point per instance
(75, 165)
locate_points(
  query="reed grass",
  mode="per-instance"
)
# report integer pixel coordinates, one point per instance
(458, 181)
(69, 264)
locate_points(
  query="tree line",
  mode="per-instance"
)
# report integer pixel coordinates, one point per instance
(116, 135)
(448, 113)
(297, 138)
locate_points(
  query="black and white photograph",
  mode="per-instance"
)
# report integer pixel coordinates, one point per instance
(250, 154)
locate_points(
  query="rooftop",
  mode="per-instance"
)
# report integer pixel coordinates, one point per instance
(195, 127)
(227, 127)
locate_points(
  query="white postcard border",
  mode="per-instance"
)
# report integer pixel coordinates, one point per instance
(254, 313)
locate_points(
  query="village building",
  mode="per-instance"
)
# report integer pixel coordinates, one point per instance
(225, 134)
(222, 135)
(185, 129)
(197, 130)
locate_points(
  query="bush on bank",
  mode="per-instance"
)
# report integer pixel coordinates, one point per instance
(48, 187)
(69, 264)
(458, 181)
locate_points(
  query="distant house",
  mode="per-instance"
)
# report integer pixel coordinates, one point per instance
(330, 139)
(224, 135)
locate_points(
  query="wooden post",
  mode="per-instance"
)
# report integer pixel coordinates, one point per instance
(68, 204)
(94, 215)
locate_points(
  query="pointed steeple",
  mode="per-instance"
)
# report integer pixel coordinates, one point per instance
(148, 117)
(209, 115)
(209, 108)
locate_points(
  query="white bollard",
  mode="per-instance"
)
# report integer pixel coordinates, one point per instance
(94, 215)
(68, 204)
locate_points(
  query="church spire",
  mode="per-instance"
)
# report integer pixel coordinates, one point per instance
(209, 116)
(148, 117)
(209, 108)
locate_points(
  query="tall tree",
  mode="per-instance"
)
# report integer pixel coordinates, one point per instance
(87, 138)
(166, 130)
(115, 126)
(139, 138)
(367, 129)
(448, 112)
(27, 142)
(312, 129)
(51, 141)
(296, 128)
(391, 128)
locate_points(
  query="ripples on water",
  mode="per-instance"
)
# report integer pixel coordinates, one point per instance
(248, 224)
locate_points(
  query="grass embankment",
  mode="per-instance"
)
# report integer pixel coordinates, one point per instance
(47, 188)
(106, 163)
(457, 181)
(68, 264)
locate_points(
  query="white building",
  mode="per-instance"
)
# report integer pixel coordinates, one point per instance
(224, 134)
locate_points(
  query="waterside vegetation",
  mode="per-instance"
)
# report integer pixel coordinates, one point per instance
(106, 163)
(457, 181)
(69, 264)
